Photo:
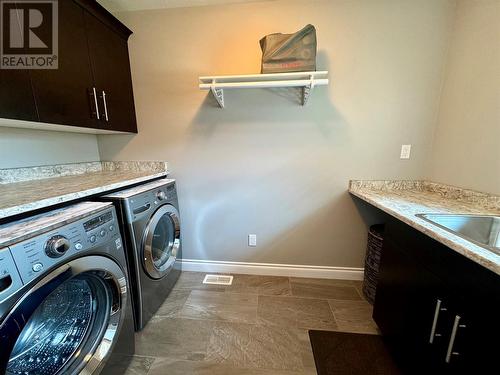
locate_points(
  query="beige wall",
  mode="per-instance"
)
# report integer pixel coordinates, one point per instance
(466, 149)
(26, 147)
(265, 164)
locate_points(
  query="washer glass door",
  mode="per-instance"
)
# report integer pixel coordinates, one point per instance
(73, 326)
(58, 327)
(162, 242)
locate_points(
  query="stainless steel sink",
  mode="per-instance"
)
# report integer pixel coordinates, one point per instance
(483, 230)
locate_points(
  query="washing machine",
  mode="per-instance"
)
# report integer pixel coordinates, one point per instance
(65, 307)
(150, 222)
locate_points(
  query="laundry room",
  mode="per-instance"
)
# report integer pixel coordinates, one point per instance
(287, 187)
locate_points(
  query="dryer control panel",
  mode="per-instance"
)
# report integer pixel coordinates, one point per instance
(36, 255)
(141, 205)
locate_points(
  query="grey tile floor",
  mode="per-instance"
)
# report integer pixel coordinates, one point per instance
(258, 325)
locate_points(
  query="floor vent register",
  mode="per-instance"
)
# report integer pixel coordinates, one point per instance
(218, 279)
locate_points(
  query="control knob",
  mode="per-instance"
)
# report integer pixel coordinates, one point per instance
(161, 195)
(57, 246)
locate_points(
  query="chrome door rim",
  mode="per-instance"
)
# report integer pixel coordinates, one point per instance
(106, 268)
(147, 256)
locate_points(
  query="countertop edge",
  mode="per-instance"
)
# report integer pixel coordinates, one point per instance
(448, 241)
(5, 213)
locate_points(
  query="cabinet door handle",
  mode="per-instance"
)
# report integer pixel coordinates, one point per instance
(456, 326)
(105, 105)
(96, 104)
(435, 320)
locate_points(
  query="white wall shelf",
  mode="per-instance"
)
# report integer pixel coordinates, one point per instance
(305, 80)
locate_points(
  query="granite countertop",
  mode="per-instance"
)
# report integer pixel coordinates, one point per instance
(26, 189)
(405, 199)
(30, 227)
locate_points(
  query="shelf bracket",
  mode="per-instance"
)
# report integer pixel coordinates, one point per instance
(306, 91)
(218, 94)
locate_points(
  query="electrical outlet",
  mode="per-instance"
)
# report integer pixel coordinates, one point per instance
(252, 240)
(405, 151)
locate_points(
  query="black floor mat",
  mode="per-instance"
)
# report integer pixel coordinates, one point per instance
(340, 353)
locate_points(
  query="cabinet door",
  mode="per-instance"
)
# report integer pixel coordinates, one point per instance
(16, 95)
(62, 95)
(425, 285)
(472, 340)
(112, 77)
(405, 305)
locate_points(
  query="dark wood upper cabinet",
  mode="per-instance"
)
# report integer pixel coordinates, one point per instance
(62, 95)
(92, 87)
(112, 80)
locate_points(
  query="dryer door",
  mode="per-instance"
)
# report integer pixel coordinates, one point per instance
(162, 240)
(68, 322)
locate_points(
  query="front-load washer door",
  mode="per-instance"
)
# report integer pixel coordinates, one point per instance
(162, 239)
(68, 322)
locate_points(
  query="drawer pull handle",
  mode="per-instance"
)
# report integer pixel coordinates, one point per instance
(96, 104)
(435, 320)
(456, 326)
(105, 105)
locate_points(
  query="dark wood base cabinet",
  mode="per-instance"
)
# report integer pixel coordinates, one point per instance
(92, 86)
(438, 311)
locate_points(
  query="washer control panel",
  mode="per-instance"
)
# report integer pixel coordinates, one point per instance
(36, 255)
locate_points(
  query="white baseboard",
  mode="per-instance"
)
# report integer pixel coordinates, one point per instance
(271, 269)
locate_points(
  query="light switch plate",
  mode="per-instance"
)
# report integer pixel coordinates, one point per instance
(405, 151)
(252, 240)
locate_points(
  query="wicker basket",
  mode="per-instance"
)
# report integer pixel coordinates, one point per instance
(372, 261)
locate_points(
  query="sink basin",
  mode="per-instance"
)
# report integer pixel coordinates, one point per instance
(483, 230)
